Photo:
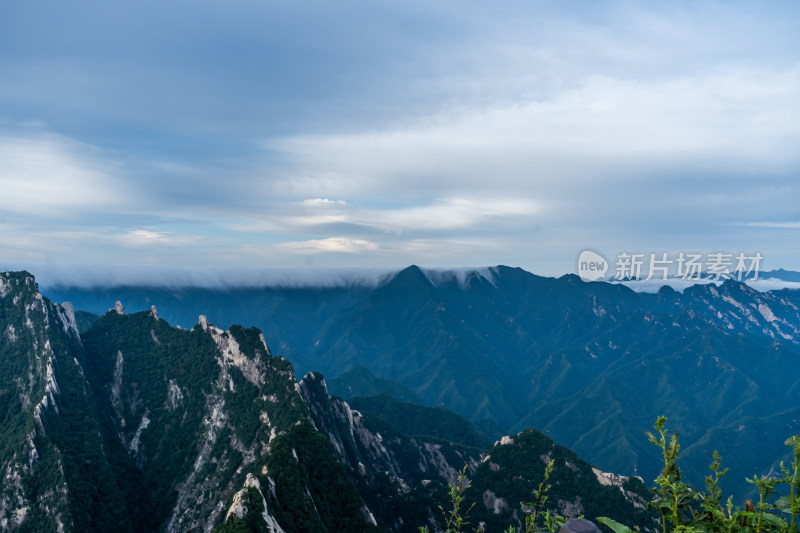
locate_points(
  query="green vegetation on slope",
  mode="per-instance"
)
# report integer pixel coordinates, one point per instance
(413, 419)
(359, 382)
(84, 320)
(311, 494)
(514, 470)
(143, 369)
(45, 404)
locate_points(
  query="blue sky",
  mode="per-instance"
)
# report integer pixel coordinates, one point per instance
(247, 134)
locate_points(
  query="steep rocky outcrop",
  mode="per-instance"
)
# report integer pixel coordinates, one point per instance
(399, 475)
(51, 456)
(197, 415)
(140, 426)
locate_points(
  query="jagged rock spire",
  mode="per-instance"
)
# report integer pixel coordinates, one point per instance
(69, 310)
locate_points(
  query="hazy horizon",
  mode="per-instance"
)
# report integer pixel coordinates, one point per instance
(93, 277)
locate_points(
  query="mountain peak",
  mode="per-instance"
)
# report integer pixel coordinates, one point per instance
(410, 278)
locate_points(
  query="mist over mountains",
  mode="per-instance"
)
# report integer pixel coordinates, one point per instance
(51, 275)
(65, 276)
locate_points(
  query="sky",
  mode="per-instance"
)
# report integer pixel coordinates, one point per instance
(255, 135)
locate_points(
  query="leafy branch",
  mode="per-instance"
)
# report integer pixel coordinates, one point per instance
(455, 519)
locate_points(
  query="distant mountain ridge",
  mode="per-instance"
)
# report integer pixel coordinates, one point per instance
(780, 273)
(359, 382)
(591, 364)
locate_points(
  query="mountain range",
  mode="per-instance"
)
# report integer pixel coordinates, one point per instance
(133, 425)
(590, 364)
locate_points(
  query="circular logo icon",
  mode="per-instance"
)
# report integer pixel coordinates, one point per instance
(591, 266)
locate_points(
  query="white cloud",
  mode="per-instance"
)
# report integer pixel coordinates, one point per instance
(729, 120)
(773, 284)
(323, 201)
(44, 172)
(446, 214)
(654, 285)
(145, 237)
(771, 225)
(331, 244)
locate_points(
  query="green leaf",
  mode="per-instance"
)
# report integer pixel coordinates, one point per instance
(614, 525)
(792, 441)
(775, 520)
(784, 503)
